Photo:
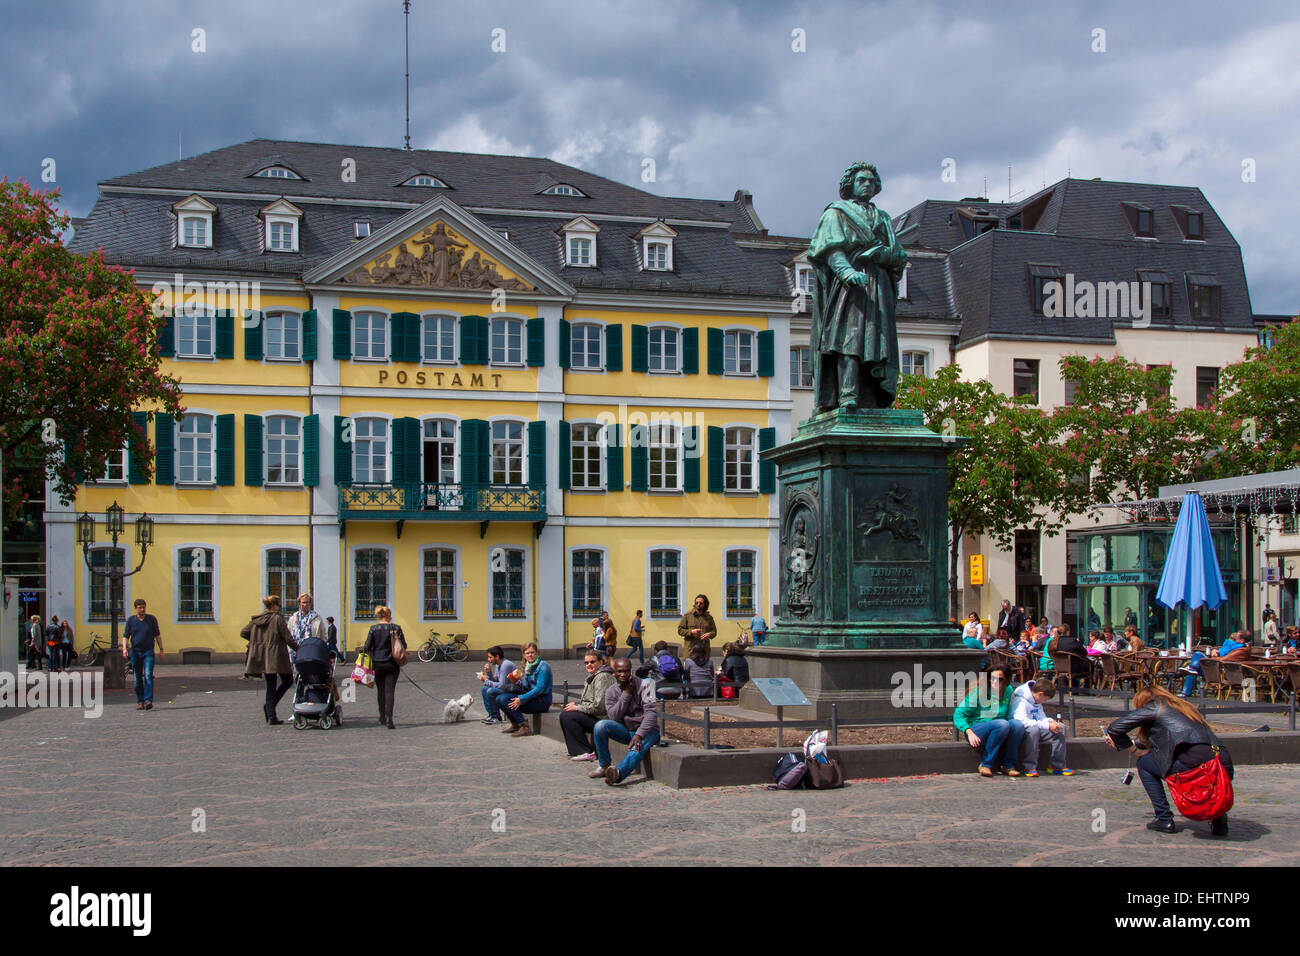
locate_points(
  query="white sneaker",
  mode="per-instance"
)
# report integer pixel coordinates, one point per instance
(582, 757)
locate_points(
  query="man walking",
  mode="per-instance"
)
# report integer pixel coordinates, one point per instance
(139, 640)
(634, 638)
(631, 719)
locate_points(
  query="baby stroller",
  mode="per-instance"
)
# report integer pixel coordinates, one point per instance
(313, 693)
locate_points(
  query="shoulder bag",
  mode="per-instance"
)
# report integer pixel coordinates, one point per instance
(1204, 792)
(398, 651)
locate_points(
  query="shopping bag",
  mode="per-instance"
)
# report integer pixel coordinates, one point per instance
(364, 671)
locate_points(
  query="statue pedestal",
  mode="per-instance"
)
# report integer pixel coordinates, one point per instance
(864, 561)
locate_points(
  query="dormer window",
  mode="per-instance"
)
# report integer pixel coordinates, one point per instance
(902, 283)
(580, 243)
(804, 279)
(1144, 224)
(423, 179)
(657, 247)
(1195, 226)
(564, 189)
(277, 172)
(360, 230)
(194, 222)
(281, 218)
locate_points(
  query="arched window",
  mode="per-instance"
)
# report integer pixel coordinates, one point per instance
(665, 582)
(507, 342)
(440, 584)
(370, 584)
(195, 453)
(370, 451)
(739, 472)
(506, 566)
(741, 578)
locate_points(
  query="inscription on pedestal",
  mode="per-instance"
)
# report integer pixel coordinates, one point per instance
(890, 587)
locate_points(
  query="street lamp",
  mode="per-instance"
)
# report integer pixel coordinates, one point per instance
(114, 671)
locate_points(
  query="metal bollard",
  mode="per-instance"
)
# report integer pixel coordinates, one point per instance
(566, 691)
(708, 742)
(715, 685)
(1291, 708)
(835, 727)
(1073, 729)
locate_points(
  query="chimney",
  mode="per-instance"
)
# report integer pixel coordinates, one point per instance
(746, 199)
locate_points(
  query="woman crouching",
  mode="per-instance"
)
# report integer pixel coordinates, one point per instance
(983, 717)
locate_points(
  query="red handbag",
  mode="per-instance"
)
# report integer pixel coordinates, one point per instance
(1204, 792)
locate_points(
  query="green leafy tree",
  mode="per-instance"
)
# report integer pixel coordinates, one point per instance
(78, 354)
(1125, 429)
(1258, 408)
(1008, 472)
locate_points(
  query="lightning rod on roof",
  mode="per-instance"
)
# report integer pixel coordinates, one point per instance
(406, 9)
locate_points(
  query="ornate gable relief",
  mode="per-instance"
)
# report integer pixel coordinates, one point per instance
(436, 258)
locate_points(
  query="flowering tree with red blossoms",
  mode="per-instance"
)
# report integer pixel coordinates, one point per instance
(78, 355)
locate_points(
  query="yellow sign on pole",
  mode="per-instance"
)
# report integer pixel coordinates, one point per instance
(976, 569)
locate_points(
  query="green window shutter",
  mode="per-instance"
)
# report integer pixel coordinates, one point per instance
(164, 427)
(566, 343)
(715, 363)
(404, 333)
(473, 340)
(613, 459)
(613, 348)
(766, 354)
(135, 460)
(566, 455)
(253, 336)
(766, 469)
(167, 336)
(406, 451)
(637, 437)
(342, 454)
(473, 451)
(537, 454)
(717, 437)
(311, 451)
(309, 335)
(691, 351)
(225, 449)
(342, 335)
(223, 342)
(691, 466)
(640, 348)
(536, 343)
(253, 450)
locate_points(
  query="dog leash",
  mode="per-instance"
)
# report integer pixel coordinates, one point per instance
(423, 691)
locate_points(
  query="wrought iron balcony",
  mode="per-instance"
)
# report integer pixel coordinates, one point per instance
(424, 501)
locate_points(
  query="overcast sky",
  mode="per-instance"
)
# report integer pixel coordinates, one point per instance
(714, 93)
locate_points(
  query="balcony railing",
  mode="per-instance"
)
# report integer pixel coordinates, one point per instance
(425, 501)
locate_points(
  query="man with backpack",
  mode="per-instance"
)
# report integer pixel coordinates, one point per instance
(54, 644)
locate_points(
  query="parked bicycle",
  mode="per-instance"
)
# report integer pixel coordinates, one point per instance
(451, 649)
(93, 655)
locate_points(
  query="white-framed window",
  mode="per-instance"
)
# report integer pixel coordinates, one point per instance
(587, 573)
(282, 336)
(369, 582)
(805, 281)
(664, 456)
(369, 336)
(196, 587)
(194, 231)
(115, 467)
(282, 436)
(283, 575)
(506, 566)
(665, 349)
(586, 457)
(439, 339)
(196, 450)
(656, 256)
(507, 342)
(441, 583)
(666, 574)
(914, 363)
(508, 452)
(370, 451)
(801, 367)
(580, 251)
(564, 189)
(277, 172)
(586, 348)
(423, 179)
(282, 235)
(741, 582)
(740, 472)
(361, 230)
(194, 332)
(439, 451)
(738, 352)
(104, 559)
(902, 282)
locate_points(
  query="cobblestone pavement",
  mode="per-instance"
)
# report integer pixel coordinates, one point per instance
(124, 789)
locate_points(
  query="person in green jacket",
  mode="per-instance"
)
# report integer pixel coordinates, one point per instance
(983, 717)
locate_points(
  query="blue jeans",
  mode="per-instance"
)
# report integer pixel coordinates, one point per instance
(494, 699)
(606, 729)
(536, 705)
(1189, 682)
(635, 644)
(1001, 742)
(142, 661)
(52, 656)
(760, 637)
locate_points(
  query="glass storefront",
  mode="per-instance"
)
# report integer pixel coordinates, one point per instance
(1119, 573)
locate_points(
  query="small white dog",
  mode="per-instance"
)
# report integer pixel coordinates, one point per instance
(455, 709)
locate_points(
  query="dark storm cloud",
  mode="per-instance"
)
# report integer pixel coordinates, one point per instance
(712, 92)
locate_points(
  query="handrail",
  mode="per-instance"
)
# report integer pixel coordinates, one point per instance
(434, 500)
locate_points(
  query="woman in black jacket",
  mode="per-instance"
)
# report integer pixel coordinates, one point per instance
(379, 645)
(1176, 738)
(734, 671)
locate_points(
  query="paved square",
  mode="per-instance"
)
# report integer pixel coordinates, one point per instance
(123, 789)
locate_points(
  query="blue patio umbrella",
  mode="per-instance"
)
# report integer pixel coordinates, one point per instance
(1191, 574)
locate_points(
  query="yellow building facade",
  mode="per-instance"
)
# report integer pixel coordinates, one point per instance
(496, 414)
